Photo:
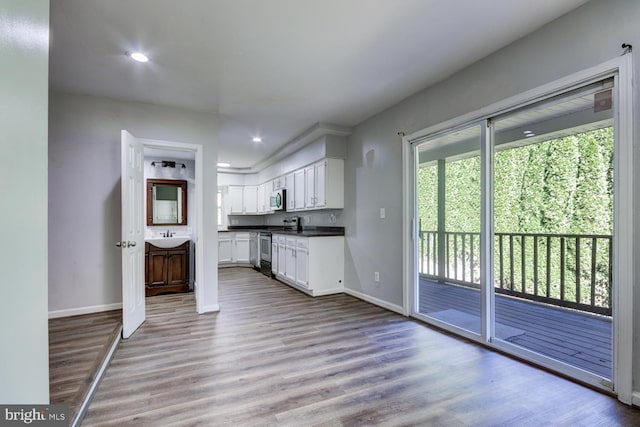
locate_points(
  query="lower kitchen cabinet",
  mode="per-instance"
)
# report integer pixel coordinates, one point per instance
(314, 265)
(290, 259)
(234, 248)
(225, 249)
(302, 263)
(166, 270)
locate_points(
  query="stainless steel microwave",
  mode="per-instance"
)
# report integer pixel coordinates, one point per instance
(278, 200)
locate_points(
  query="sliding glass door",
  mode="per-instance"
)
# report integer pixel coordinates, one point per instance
(553, 219)
(448, 195)
(515, 244)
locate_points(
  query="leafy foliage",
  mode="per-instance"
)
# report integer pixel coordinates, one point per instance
(562, 186)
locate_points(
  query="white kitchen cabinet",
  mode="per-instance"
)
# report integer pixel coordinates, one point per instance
(290, 259)
(302, 262)
(261, 198)
(314, 265)
(264, 198)
(282, 258)
(250, 199)
(268, 190)
(274, 257)
(234, 248)
(225, 248)
(289, 185)
(236, 199)
(320, 200)
(310, 187)
(299, 189)
(242, 248)
(317, 186)
(279, 183)
(325, 185)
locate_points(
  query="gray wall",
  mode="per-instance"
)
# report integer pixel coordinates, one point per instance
(581, 39)
(84, 191)
(24, 56)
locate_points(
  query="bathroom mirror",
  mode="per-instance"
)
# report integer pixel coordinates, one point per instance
(166, 202)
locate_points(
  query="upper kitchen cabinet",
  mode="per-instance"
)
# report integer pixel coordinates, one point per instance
(243, 199)
(290, 188)
(250, 199)
(299, 190)
(319, 185)
(264, 197)
(324, 185)
(312, 175)
(236, 199)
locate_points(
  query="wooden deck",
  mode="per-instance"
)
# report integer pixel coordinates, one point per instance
(579, 339)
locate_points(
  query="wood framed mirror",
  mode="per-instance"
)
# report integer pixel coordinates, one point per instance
(166, 202)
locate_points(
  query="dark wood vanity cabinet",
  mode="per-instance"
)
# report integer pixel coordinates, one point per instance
(166, 270)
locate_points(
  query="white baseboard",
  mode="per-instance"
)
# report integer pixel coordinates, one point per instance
(210, 308)
(84, 310)
(376, 301)
(635, 398)
(324, 292)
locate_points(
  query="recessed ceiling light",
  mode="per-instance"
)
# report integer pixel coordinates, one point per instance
(223, 165)
(257, 139)
(138, 56)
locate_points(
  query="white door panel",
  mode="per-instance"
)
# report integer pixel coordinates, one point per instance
(132, 243)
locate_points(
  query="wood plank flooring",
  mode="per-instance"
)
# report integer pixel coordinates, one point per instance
(579, 339)
(77, 348)
(275, 357)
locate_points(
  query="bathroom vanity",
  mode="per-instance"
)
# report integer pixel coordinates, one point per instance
(166, 269)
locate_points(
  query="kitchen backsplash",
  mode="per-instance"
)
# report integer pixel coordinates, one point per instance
(322, 218)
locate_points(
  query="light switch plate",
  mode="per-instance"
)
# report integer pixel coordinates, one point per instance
(383, 213)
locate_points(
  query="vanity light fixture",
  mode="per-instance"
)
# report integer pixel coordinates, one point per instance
(168, 164)
(138, 56)
(223, 165)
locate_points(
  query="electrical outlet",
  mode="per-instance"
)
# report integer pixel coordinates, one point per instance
(376, 276)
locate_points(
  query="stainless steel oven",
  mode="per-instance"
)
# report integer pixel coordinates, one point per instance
(265, 253)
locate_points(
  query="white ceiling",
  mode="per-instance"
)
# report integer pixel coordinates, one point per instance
(274, 68)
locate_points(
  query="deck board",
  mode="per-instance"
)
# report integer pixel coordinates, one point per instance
(580, 339)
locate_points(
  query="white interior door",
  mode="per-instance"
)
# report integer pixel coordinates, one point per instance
(132, 243)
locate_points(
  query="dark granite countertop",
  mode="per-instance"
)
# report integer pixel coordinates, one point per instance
(302, 232)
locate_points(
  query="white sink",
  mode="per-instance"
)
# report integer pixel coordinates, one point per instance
(167, 242)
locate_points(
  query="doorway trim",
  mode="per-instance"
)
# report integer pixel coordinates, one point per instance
(199, 173)
(623, 331)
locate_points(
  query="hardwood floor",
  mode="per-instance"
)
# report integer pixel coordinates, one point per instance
(77, 347)
(273, 356)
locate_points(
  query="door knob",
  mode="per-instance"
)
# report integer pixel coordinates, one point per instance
(130, 244)
(118, 244)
